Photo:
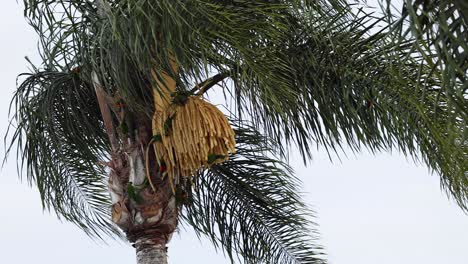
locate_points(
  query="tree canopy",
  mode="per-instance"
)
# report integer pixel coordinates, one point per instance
(303, 73)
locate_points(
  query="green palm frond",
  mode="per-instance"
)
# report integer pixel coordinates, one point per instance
(250, 206)
(62, 144)
(439, 30)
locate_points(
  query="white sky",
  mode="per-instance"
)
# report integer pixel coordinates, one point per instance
(371, 209)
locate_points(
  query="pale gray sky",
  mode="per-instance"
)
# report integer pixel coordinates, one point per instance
(371, 209)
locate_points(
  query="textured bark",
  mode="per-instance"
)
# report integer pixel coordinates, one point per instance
(150, 253)
(147, 216)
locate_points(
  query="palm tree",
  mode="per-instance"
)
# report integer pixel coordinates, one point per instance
(117, 105)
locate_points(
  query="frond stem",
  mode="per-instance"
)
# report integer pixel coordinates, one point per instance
(105, 112)
(204, 86)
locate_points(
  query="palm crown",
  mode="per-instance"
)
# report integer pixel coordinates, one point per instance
(312, 73)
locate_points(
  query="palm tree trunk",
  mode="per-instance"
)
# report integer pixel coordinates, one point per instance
(144, 205)
(150, 218)
(149, 253)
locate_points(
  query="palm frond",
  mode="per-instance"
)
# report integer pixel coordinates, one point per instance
(347, 85)
(439, 31)
(61, 144)
(250, 206)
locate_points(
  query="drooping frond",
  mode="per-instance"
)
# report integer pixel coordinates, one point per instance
(250, 206)
(347, 85)
(62, 144)
(439, 31)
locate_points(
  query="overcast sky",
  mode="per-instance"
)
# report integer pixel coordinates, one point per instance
(380, 209)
